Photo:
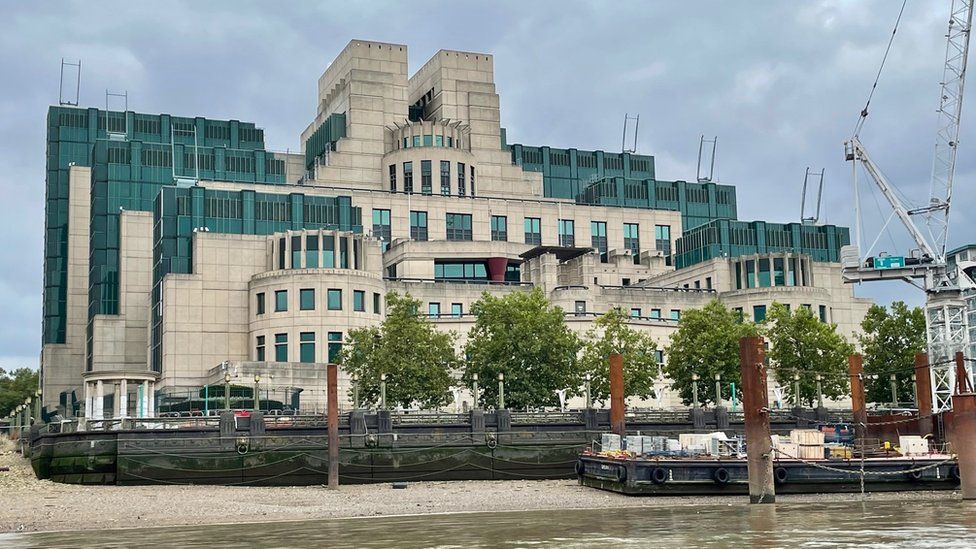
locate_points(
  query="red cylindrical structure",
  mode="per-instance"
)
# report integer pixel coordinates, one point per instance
(755, 407)
(964, 429)
(496, 268)
(617, 423)
(923, 393)
(855, 367)
(333, 424)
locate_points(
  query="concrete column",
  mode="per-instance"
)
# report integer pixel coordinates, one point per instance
(755, 406)
(89, 412)
(923, 393)
(116, 401)
(99, 406)
(123, 398)
(144, 401)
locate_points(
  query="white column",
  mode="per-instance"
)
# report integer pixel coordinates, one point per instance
(124, 398)
(144, 401)
(116, 402)
(88, 401)
(151, 400)
(98, 408)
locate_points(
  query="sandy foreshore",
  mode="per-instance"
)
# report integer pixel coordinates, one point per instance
(31, 505)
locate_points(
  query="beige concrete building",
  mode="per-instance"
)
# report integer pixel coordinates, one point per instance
(234, 264)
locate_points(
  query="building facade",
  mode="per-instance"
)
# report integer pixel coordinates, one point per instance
(179, 251)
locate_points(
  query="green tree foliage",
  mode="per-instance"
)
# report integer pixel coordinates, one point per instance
(889, 343)
(801, 344)
(610, 334)
(525, 337)
(417, 359)
(15, 387)
(706, 343)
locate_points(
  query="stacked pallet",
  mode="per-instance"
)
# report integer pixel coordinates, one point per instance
(809, 442)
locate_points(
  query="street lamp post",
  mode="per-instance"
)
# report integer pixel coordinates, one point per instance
(796, 390)
(501, 391)
(382, 391)
(718, 390)
(474, 389)
(227, 391)
(355, 391)
(819, 391)
(257, 398)
(586, 388)
(694, 390)
(894, 390)
(915, 389)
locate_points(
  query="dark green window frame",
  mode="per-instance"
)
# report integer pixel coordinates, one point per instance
(307, 299)
(281, 301)
(335, 299)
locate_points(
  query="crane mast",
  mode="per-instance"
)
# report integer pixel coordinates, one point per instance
(947, 313)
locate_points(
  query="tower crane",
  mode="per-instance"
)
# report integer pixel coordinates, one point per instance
(950, 306)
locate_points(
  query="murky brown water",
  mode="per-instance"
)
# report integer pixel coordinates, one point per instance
(943, 524)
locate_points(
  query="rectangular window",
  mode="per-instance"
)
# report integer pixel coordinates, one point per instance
(393, 183)
(662, 241)
(426, 184)
(408, 177)
(418, 226)
(533, 231)
(438, 140)
(632, 240)
(281, 300)
(758, 313)
(471, 183)
(580, 308)
(328, 251)
(460, 170)
(259, 349)
(764, 273)
(659, 356)
(281, 347)
(779, 278)
(306, 347)
(433, 310)
(376, 303)
(312, 251)
(445, 177)
(335, 299)
(675, 314)
(499, 228)
(457, 309)
(698, 284)
(567, 233)
(635, 312)
(381, 227)
(458, 226)
(598, 239)
(306, 298)
(823, 313)
(708, 282)
(416, 141)
(791, 277)
(750, 273)
(428, 140)
(460, 270)
(359, 301)
(296, 252)
(656, 313)
(335, 347)
(344, 252)
(281, 253)
(260, 303)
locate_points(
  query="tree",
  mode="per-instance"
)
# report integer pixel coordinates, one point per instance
(610, 334)
(417, 359)
(706, 343)
(801, 344)
(523, 336)
(889, 344)
(15, 387)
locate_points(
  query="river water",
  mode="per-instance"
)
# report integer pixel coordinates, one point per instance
(939, 524)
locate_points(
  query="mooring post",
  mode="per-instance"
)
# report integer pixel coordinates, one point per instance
(923, 393)
(755, 407)
(333, 424)
(964, 429)
(617, 424)
(855, 368)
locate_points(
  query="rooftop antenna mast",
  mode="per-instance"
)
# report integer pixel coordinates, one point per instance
(115, 133)
(623, 140)
(803, 200)
(62, 100)
(711, 163)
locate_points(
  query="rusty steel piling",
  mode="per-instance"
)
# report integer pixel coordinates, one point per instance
(755, 406)
(964, 429)
(923, 394)
(617, 422)
(333, 424)
(855, 368)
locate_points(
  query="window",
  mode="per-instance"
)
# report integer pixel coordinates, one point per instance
(335, 299)
(306, 298)
(359, 301)
(598, 239)
(698, 284)
(750, 273)
(758, 313)
(567, 233)
(335, 347)
(533, 231)
(457, 309)
(393, 183)
(381, 227)
(471, 183)
(460, 270)
(659, 356)
(662, 241)
(739, 313)
(779, 278)
(433, 310)
(499, 228)
(296, 252)
(259, 349)
(281, 300)
(344, 252)
(675, 314)
(416, 141)
(460, 170)
(428, 140)
(513, 272)
(306, 347)
(823, 313)
(445, 177)
(635, 312)
(408, 175)
(656, 313)
(418, 226)
(458, 226)
(311, 251)
(426, 186)
(260, 303)
(281, 347)
(764, 272)
(438, 140)
(580, 308)
(708, 282)
(376, 303)
(632, 240)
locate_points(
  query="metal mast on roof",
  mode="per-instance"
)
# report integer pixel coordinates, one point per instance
(61, 99)
(623, 140)
(124, 97)
(711, 163)
(803, 200)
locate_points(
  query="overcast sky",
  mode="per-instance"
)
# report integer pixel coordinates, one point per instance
(779, 82)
